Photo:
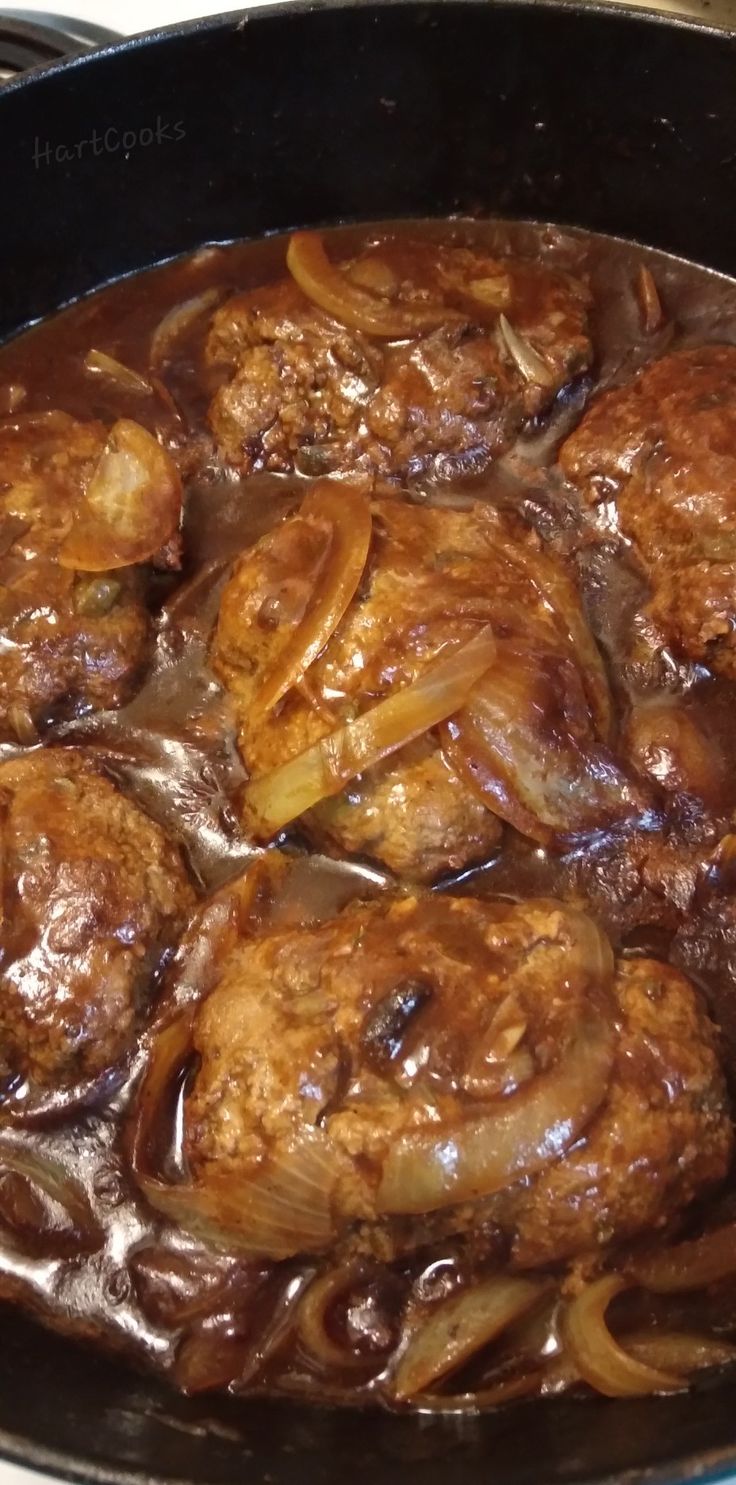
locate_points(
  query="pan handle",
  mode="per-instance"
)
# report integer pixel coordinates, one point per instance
(28, 40)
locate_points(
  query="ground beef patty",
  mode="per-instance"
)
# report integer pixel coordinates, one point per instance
(301, 390)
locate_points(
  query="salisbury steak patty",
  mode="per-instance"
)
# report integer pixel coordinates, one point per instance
(93, 895)
(535, 753)
(663, 448)
(71, 640)
(309, 390)
(435, 1064)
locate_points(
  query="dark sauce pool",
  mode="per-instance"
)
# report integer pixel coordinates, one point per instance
(162, 1298)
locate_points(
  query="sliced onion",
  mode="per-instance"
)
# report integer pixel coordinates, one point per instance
(458, 1328)
(532, 366)
(55, 1183)
(526, 746)
(427, 1169)
(692, 1265)
(169, 1053)
(312, 1322)
(218, 925)
(324, 769)
(98, 363)
(333, 292)
(283, 1210)
(131, 507)
(348, 514)
(511, 1389)
(598, 1357)
(176, 322)
(679, 1350)
(650, 304)
(558, 593)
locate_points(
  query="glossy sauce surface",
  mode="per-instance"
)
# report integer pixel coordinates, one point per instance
(208, 1318)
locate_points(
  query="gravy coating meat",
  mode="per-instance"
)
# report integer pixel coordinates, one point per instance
(395, 1114)
(427, 357)
(94, 895)
(532, 746)
(663, 449)
(75, 631)
(434, 1065)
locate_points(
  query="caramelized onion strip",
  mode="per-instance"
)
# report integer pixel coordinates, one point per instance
(169, 1052)
(597, 1355)
(60, 1187)
(324, 769)
(312, 1322)
(348, 515)
(331, 291)
(131, 507)
(510, 1389)
(176, 322)
(560, 595)
(690, 1265)
(458, 1328)
(527, 360)
(427, 1169)
(99, 363)
(679, 1351)
(283, 1210)
(525, 744)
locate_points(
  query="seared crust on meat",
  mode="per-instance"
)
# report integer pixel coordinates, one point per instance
(305, 392)
(663, 447)
(661, 1139)
(433, 577)
(401, 1016)
(93, 895)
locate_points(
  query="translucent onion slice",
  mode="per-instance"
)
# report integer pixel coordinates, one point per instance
(526, 745)
(171, 1047)
(333, 292)
(131, 507)
(691, 1265)
(283, 1210)
(650, 304)
(511, 1389)
(679, 1351)
(348, 513)
(218, 925)
(98, 363)
(427, 1169)
(460, 1327)
(176, 322)
(55, 1183)
(597, 1355)
(532, 366)
(560, 595)
(324, 769)
(312, 1324)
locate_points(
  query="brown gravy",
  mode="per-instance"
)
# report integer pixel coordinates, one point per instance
(170, 749)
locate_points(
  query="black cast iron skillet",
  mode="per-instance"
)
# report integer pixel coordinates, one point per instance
(607, 118)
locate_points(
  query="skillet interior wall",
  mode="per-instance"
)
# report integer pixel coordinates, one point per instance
(614, 122)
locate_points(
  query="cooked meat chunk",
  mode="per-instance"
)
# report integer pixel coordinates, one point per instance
(661, 1138)
(306, 392)
(536, 753)
(93, 896)
(70, 641)
(448, 1060)
(664, 449)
